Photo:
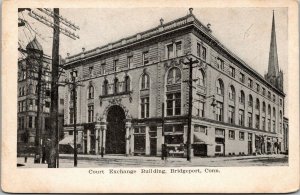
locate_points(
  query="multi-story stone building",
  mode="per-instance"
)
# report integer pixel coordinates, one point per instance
(125, 84)
(33, 64)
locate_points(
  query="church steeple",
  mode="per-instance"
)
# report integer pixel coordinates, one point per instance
(274, 76)
(273, 69)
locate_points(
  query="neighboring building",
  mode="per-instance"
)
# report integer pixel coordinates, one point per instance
(235, 109)
(285, 135)
(28, 71)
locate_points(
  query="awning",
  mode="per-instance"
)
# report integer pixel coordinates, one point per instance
(198, 139)
(69, 140)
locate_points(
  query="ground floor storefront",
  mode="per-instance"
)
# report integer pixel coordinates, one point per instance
(149, 137)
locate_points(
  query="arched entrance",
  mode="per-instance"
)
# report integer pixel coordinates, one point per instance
(115, 134)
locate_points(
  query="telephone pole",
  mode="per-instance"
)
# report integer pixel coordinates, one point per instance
(190, 108)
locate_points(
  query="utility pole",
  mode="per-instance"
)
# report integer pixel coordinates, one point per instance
(54, 92)
(57, 29)
(75, 117)
(38, 149)
(190, 108)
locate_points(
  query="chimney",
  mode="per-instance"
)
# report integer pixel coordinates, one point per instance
(83, 49)
(191, 10)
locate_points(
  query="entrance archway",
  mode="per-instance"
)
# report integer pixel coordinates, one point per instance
(115, 134)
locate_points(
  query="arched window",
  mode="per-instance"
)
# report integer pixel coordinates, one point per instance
(91, 92)
(264, 107)
(127, 83)
(105, 87)
(257, 104)
(242, 97)
(220, 87)
(269, 110)
(274, 112)
(174, 76)
(201, 78)
(250, 103)
(145, 83)
(231, 93)
(116, 86)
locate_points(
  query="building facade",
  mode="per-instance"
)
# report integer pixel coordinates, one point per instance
(136, 90)
(34, 69)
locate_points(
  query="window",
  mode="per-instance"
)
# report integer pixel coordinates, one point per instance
(116, 85)
(30, 122)
(219, 111)
(263, 123)
(220, 63)
(201, 78)
(274, 128)
(269, 124)
(145, 58)
(250, 119)
(257, 121)
(200, 106)
(170, 51)
(274, 112)
(116, 62)
(250, 83)
(231, 115)
(219, 132)
(231, 93)
(232, 71)
(201, 109)
(220, 87)
(274, 98)
(90, 113)
(263, 91)
(145, 83)
(71, 113)
(269, 94)
(178, 46)
(242, 97)
(242, 77)
(242, 135)
(250, 102)
(47, 104)
(257, 104)
(280, 102)
(231, 134)
(129, 61)
(174, 76)
(105, 87)
(264, 107)
(61, 101)
(173, 104)
(203, 53)
(145, 107)
(269, 110)
(91, 70)
(241, 117)
(127, 83)
(91, 92)
(257, 87)
(200, 129)
(198, 49)
(103, 67)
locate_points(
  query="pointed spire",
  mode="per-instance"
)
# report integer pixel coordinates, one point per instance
(273, 69)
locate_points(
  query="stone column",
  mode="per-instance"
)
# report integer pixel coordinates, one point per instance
(103, 127)
(253, 143)
(147, 137)
(96, 141)
(127, 136)
(131, 130)
(88, 137)
(160, 141)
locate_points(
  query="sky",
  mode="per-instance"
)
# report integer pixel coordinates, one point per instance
(244, 31)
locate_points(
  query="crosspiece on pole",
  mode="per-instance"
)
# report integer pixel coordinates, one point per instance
(45, 21)
(61, 19)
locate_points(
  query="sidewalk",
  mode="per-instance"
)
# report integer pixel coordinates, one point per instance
(85, 160)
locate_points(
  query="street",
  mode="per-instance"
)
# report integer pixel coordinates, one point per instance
(89, 161)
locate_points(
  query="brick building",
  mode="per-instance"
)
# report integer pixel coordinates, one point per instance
(125, 83)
